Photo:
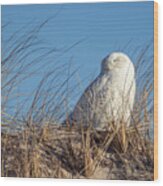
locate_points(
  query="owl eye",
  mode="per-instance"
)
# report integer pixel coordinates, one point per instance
(114, 60)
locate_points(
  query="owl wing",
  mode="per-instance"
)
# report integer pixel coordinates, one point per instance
(91, 102)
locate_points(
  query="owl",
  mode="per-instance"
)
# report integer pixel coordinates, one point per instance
(110, 97)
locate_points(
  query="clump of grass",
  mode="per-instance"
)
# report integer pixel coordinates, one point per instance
(60, 152)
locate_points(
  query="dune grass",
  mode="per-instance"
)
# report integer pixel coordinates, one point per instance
(61, 152)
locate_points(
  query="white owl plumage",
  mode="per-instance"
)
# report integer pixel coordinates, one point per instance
(110, 97)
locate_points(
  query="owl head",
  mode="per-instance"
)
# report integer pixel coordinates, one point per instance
(115, 61)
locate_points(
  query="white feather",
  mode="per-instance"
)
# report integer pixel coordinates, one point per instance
(110, 97)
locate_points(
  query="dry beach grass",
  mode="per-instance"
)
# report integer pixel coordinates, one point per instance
(62, 152)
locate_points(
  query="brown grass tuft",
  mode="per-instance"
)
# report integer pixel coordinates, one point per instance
(59, 152)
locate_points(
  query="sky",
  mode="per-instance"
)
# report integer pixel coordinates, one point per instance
(100, 28)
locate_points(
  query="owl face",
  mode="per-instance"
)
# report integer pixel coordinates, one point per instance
(116, 60)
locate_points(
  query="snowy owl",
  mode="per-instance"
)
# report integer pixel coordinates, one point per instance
(110, 97)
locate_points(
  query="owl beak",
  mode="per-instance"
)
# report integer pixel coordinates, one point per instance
(110, 66)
